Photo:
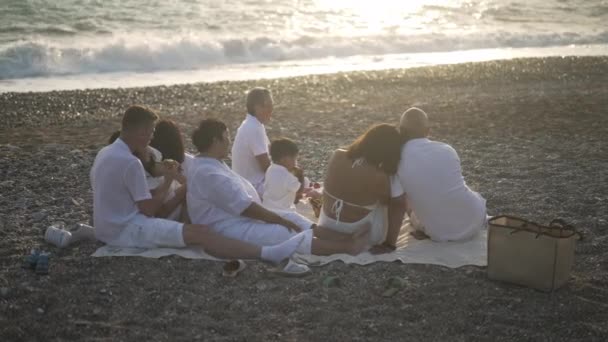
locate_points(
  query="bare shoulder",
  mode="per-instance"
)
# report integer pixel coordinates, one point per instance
(338, 154)
(336, 165)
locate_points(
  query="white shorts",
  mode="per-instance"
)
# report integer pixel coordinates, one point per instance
(377, 220)
(265, 234)
(149, 232)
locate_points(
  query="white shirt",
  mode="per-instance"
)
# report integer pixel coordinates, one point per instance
(250, 141)
(118, 180)
(155, 182)
(216, 193)
(430, 175)
(188, 158)
(280, 188)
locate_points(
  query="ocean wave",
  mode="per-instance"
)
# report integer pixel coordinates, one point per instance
(42, 58)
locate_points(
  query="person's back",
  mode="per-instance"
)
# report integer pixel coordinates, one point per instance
(353, 182)
(437, 193)
(250, 141)
(250, 151)
(114, 199)
(283, 178)
(430, 175)
(280, 188)
(357, 186)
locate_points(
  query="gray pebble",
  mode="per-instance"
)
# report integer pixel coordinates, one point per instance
(39, 216)
(10, 147)
(261, 286)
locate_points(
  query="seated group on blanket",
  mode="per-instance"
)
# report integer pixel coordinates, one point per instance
(147, 192)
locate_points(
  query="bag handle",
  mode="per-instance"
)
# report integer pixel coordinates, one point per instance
(524, 227)
(555, 224)
(561, 224)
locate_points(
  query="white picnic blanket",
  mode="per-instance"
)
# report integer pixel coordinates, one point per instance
(412, 251)
(409, 250)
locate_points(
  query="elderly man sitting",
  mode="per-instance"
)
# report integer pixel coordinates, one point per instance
(430, 177)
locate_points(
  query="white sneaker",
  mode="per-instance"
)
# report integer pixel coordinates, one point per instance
(82, 232)
(58, 237)
(292, 269)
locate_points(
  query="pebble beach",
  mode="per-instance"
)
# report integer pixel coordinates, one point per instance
(532, 135)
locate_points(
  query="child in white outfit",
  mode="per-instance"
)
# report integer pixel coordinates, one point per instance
(283, 182)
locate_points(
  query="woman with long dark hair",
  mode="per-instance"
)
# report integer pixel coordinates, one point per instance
(357, 183)
(169, 141)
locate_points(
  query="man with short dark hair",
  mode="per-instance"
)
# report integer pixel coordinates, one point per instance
(250, 154)
(124, 209)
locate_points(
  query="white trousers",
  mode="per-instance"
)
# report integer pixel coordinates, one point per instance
(266, 234)
(150, 232)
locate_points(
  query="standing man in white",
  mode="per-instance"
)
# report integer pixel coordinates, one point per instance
(250, 151)
(430, 176)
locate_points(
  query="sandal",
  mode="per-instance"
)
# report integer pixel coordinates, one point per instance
(233, 268)
(394, 285)
(31, 260)
(42, 266)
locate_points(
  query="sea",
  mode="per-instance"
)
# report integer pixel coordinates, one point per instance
(76, 44)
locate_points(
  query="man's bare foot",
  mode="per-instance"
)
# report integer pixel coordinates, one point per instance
(419, 235)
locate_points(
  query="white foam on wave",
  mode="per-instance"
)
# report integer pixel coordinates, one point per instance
(253, 71)
(135, 53)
